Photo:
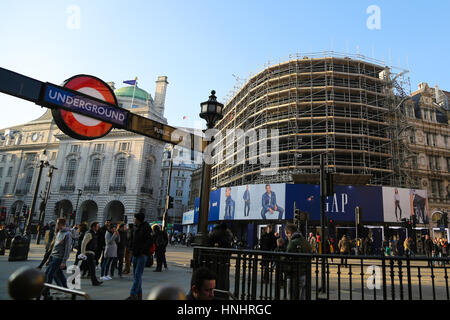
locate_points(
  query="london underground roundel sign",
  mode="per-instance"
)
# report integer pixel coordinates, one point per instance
(79, 126)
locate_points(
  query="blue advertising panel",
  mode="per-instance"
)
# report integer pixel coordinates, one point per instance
(214, 205)
(196, 209)
(339, 207)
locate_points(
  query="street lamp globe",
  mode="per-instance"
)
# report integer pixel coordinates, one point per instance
(211, 110)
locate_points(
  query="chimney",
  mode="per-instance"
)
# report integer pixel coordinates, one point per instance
(160, 94)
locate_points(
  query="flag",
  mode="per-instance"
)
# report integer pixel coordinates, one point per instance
(130, 82)
(185, 117)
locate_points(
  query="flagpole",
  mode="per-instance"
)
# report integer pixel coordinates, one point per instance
(134, 90)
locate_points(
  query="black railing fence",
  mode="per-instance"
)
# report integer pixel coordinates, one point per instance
(266, 275)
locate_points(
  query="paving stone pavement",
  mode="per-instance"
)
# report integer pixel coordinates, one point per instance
(178, 274)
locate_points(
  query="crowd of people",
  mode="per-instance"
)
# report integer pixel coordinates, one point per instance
(107, 248)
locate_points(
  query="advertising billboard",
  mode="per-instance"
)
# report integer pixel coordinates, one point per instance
(339, 207)
(252, 202)
(401, 203)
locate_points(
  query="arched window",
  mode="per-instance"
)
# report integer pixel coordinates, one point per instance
(71, 170)
(119, 179)
(148, 173)
(95, 172)
(28, 179)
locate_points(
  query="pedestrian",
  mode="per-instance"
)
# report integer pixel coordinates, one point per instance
(83, 228)
(428, 246)
(268, 243)
(59, 255)
(121, 244)
(203, 283)
(297, 273)
(128, 248)
(161, 241)
(51, 234)
(313, 242)
(142, 242)
(101, 243)
(344, 249)
(75, 233)
(2, 239)
(110, 253)
(89, 250)
(277, 265)
(222, 237)
(407, 244)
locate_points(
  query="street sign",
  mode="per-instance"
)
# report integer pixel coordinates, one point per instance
(80, 124)
(86, 108)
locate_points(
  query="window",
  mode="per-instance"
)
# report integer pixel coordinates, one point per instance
(75, 148)
(1, 172)
(119, 179)
(412, 138)
(95, 172)
(28, 178)
(5, 188)
(53, 156)
(148, 172)
(3, 158)
(180, 183)
(124, 146)
(13, 157)
(31, 157)
(99, 147)
(9, 172)
(179, 193)
(70, 175)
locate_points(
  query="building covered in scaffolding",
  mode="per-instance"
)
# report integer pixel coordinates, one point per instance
(339, 105)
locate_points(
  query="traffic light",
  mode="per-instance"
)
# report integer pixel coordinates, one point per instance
(329, 184)
(414, 221)
(170, 202)
(296, 216)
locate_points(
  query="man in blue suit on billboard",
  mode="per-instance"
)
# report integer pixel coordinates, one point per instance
(229, 205)
(247, 202)
(269, 203)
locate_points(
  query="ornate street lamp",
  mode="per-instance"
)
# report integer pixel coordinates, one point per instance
(44, 203)
(74, 215)
(211, 111)
(43, 163)
(168, 205)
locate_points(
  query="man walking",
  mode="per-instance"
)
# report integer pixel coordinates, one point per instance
(128, 248)
(141, 245)
(297, 244)
(60, 254)
(89, 250)
(428, 248)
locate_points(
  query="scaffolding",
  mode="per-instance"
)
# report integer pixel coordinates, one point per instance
(328, 103)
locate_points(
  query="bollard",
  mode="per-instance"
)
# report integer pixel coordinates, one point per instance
(26, 283)
(19, 249)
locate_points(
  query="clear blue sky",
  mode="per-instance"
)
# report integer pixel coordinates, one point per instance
(199, 45)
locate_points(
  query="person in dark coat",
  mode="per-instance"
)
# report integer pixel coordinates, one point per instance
(88, 251)
(161, 241)
(101, 242)
(83, 230)
(221, 237)
(141, 245)
(127, 255)
(268, 243)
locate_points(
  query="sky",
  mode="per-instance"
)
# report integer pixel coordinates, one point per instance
(203, 45)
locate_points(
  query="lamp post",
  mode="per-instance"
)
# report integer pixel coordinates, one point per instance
(169, 179)
(80, 192)
(211, 111)
(43, 163)
(44, 204)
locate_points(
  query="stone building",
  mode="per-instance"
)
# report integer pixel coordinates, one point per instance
(111, 177)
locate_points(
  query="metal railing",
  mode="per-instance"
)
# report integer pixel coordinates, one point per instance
(266, 275)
